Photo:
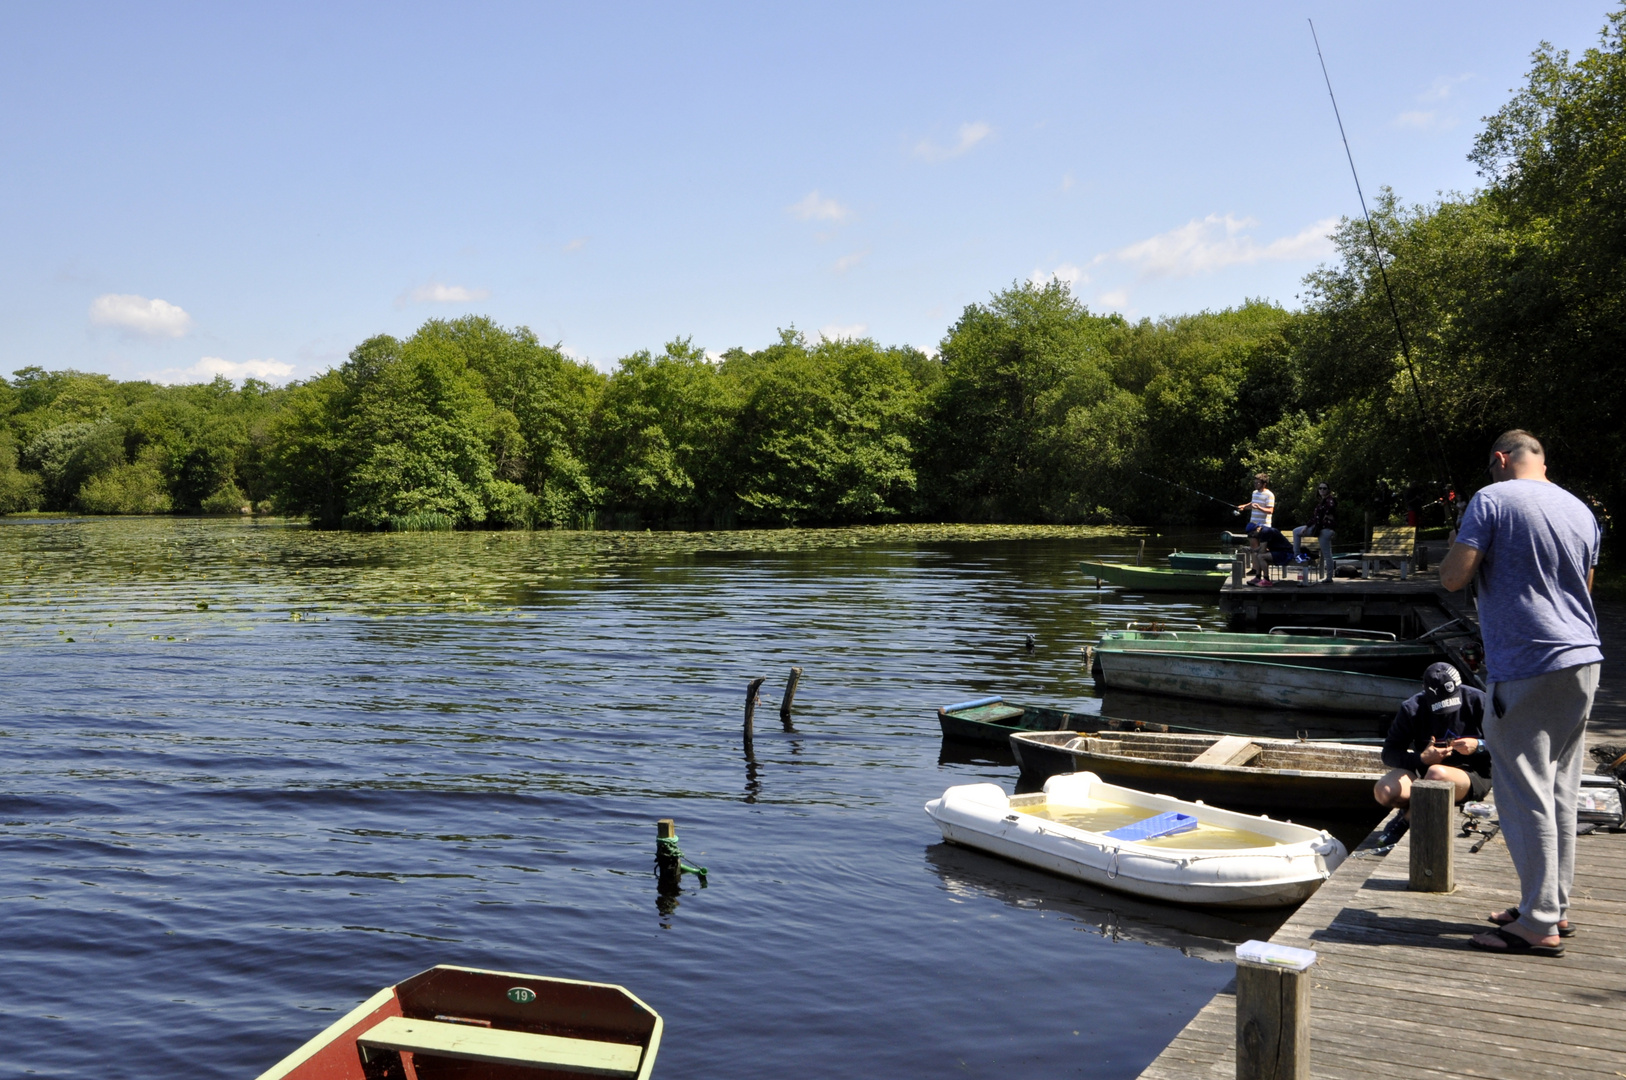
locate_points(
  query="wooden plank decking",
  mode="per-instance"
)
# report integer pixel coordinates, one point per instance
(1398, 992)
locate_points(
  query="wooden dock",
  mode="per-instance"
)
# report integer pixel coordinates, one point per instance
(1397, 990)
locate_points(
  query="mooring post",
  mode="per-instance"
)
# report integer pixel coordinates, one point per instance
(1432, 867)
(668, 866)
(1140, 556)
(1272, 1012)
(750, 713)
(790, 694)
(1236, 569)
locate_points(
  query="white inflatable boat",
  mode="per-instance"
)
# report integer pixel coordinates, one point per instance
(1149, 845)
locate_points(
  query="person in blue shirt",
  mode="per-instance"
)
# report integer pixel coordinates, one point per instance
(1532, 546)
(1438, 734)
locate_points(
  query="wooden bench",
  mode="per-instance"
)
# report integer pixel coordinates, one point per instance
(472, 1043)
(1390, 543)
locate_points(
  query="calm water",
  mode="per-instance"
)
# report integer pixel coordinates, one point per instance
(254, 773)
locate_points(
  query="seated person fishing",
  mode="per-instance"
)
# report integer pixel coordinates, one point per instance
(1438, 734)
(1272, 548)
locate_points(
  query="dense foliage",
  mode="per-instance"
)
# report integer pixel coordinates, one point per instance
(1513, 301)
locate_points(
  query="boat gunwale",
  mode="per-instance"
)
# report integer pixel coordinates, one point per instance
(1242, 770)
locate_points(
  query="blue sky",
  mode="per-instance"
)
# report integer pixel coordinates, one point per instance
(253, 188)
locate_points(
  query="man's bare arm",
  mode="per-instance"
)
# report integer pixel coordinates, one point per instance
(1459, 566)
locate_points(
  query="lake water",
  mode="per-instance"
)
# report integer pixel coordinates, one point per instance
(253, 773)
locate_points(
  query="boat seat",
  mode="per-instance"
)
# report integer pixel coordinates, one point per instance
(1230, 750)
(471, 1043)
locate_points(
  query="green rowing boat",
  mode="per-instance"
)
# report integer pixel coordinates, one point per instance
(1325, 647)
(992, 720)
(1194, 560)
(1154, 578)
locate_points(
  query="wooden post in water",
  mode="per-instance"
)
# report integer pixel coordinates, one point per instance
(668, 867)
(790, 694)
(1140, 556)
(750, 714)
(1272, 1022)
(1432, 867)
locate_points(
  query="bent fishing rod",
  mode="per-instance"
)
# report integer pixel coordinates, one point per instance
(1232, 506)
(1377, 253)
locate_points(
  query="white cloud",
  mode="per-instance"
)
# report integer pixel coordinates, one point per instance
(139, 315)
(1067, 182)
(847, 262)
(1439, 92)
(1117, 299)
(969, 136)
(816, 207)
(1066, 273)
(837, 332)
(210, 367)
(576, 244)
(436, 293)
(1204, 245)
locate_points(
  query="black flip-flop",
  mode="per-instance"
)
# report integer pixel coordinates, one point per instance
(1512, 943)
(1563, 931)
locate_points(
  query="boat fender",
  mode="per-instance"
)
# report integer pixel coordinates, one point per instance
(974, 704)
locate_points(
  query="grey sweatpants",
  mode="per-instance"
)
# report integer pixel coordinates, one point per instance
(1537, 734)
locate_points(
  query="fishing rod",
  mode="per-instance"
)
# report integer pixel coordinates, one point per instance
(1234, 511)
(1377, 253)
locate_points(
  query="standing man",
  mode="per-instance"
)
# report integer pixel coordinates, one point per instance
(1323, 520)
(1263, 503)
(1533, 546)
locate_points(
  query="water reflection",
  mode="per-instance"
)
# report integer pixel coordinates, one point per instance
(1211, 934)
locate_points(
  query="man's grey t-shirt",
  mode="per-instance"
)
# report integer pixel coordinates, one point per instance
(1538, 543)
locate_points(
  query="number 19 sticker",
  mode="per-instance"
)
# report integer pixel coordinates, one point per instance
(521, 995)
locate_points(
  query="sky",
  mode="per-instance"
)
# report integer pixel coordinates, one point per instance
(250, 190)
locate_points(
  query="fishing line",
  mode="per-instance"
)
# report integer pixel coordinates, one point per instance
(1377, 252)
(1234, 511)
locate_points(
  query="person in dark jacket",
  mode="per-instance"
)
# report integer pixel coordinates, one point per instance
(1438, 734)
(1323, 521)
(1272, 548)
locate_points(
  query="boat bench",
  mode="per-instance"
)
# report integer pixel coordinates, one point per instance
(1390, 543)
(472, 1043)
(1229, 750)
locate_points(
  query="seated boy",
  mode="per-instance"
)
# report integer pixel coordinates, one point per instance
(1438, 734)
(1271, 548)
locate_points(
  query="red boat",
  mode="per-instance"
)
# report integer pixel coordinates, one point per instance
(483, 1025)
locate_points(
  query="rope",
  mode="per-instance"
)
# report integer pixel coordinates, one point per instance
(666, 847)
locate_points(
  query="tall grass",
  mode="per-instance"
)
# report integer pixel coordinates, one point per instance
(422, 521)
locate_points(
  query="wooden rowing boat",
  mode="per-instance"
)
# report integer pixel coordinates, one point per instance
(1326, 647)
(992, 720)
(1154, 578)
(1252, 682)
(1234, 771)
(483, 1025)
(1149, 845)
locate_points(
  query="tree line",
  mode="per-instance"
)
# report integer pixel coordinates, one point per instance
(1512, 299)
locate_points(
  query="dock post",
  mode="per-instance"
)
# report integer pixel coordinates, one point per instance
(1236, 569)
(1432, 867)
(790, 694)
(668, 867)
(750, 714)
(1272, 1021)
(1140, 556)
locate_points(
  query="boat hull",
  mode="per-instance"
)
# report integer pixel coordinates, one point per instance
(1252, 682)
(972, 725)
(1399, 658)
(1154, 578)
(478, 1024)
(980, 816)
(1298, 779)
